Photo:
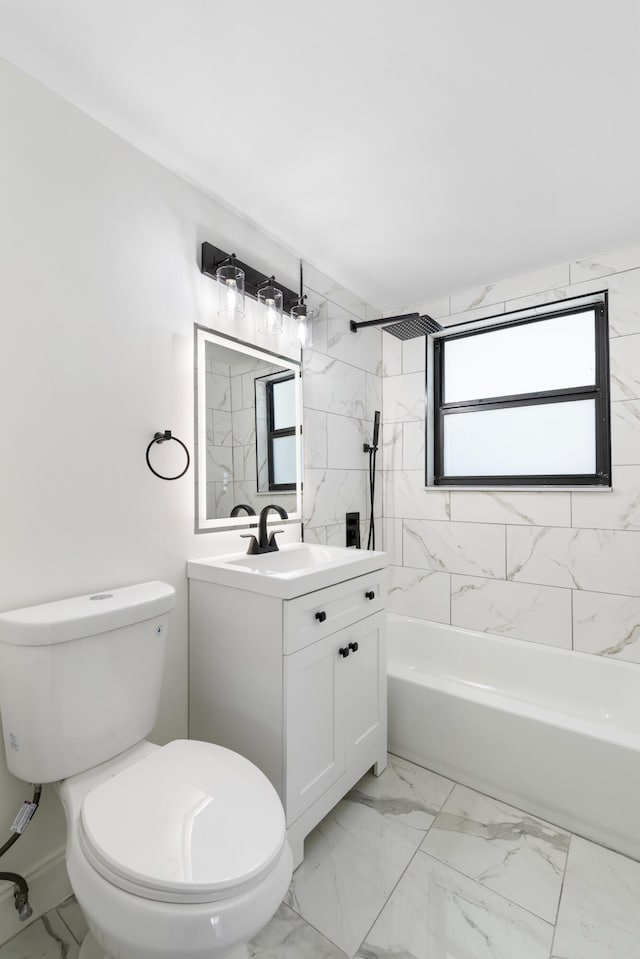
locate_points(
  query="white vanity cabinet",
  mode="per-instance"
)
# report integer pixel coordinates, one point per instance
(298, 686)
(333, 703)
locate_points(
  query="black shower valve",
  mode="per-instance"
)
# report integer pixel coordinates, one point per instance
(353, 530)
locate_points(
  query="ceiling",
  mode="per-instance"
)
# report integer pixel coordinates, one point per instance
(410, 149)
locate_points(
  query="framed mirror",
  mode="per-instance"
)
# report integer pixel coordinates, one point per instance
(248, 432)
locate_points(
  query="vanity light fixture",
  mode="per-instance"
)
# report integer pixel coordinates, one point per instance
(230, 278)
(302, 326)
(218, 265)
(301, 315)
(270, 320)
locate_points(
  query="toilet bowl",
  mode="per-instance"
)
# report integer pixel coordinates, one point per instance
(173, 852)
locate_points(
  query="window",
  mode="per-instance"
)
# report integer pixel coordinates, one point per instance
(524, 400)
(281, 433)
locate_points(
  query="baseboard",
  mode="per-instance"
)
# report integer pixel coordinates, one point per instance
(48, 887)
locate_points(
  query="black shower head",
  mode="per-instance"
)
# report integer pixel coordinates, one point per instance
(411, 326)
(405, 327)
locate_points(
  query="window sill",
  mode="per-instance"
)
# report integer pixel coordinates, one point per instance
(525, 489)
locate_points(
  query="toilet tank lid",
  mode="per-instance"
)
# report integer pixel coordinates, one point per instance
(67, 619)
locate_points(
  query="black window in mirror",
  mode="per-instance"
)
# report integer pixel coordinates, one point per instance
(281, 433)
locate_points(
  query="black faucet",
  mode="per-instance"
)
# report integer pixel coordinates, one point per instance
(265, 543)
(249, 510)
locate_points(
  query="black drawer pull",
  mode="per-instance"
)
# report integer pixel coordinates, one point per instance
(321, 616)
(344, 651)
(370, 594)
(353, 647)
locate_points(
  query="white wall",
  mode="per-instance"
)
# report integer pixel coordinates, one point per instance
(99, 291)
(554, 567)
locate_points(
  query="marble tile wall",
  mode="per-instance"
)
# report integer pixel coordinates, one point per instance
(342, 388)
(555, 567)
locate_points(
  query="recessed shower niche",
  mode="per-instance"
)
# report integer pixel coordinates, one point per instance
(248, 433)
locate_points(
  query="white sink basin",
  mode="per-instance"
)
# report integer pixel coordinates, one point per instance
(292, 570)
(294, 558)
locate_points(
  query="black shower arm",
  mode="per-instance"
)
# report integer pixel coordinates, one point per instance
(355, 326)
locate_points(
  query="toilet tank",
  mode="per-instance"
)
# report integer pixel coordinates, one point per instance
(80, 678)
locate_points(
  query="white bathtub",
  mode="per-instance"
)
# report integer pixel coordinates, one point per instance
(554, 732)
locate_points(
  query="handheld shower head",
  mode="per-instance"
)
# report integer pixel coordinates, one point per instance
(376, 427)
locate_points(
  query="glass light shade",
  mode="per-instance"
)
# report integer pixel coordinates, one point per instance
(302, 327)
(270, 318)
(230, 291)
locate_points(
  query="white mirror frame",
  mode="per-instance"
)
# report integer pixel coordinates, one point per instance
(204, 336)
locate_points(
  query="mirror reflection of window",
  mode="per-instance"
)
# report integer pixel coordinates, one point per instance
(282, 434)
(276, 432)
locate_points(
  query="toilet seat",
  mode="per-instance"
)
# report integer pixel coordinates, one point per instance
(191, 823)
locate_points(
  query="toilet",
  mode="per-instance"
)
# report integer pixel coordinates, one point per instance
(172, 851)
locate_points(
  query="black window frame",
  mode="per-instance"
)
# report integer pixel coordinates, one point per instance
(273, 433)
(599, 392)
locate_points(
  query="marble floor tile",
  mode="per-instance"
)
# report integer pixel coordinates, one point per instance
(352, 861)
(73, 918)
(288, 936)
(516, 855)
(48, 938)
(599, 915)
(384, 879)
(436, 912)
(405, 793)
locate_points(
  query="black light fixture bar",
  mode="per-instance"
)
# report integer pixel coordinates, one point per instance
(213, 257)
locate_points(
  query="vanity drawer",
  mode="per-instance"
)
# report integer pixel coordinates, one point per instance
(311, 617)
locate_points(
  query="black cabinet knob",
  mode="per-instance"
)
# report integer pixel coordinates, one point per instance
(321, 616)
(353, 647)
(344, 651)
(370, 594)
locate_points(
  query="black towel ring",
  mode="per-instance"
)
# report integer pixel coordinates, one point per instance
(162, 438)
